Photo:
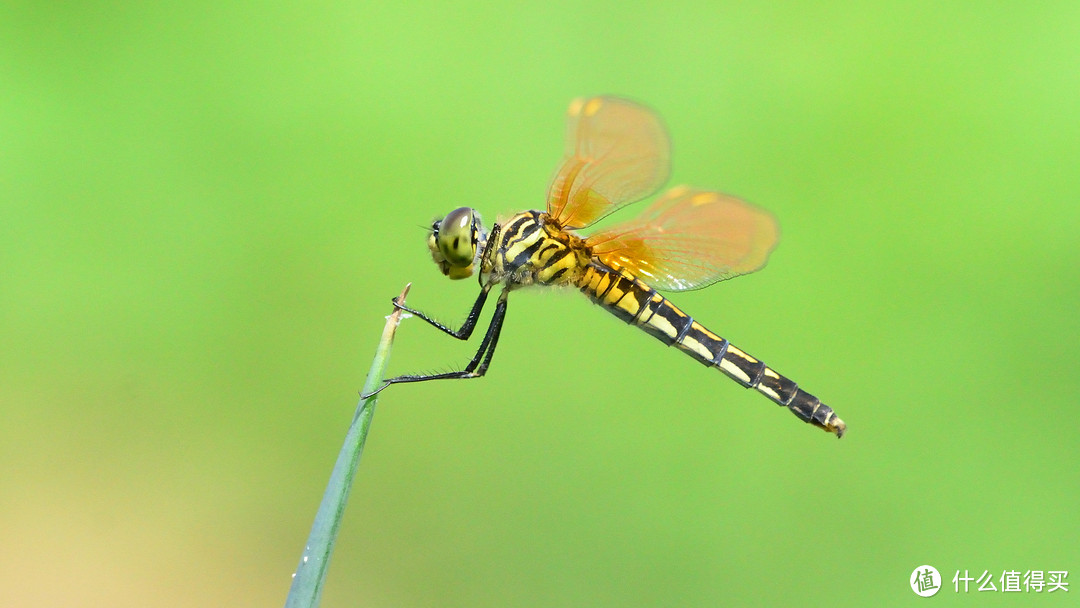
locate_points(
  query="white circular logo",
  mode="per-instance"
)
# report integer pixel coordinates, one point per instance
(925, 581)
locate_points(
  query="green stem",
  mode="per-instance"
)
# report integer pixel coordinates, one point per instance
(310, 575)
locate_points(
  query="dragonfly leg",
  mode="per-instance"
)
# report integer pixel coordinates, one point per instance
(470, 321)
(480, 362)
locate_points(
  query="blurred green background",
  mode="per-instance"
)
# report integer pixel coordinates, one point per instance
(205, 208)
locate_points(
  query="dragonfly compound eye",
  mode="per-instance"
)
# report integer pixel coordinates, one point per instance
(457, 237)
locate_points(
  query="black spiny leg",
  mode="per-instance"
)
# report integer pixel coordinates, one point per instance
(480, 362)
(470, 321)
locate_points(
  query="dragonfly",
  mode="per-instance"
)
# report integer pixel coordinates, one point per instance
(616, 153)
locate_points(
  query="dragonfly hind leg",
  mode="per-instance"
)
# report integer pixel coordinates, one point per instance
(480, 362)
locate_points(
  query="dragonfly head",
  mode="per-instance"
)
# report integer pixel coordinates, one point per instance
(455, 240)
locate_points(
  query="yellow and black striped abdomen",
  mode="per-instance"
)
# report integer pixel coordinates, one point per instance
(635, 302)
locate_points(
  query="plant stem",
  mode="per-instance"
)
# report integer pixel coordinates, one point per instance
(307, 584)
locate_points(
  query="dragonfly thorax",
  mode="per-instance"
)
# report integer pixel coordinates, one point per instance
(455, 242)
(532, 248)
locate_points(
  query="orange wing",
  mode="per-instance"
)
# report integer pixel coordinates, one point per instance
(617, 153)
(689, 239)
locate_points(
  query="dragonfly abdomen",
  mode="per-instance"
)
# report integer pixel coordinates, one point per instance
(635, 302)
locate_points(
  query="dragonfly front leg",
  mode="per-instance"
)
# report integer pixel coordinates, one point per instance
(480, 362)
(466, 328)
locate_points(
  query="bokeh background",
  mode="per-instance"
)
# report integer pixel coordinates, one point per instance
(205, 208)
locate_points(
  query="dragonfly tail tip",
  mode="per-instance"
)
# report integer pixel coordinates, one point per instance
(837, 426)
